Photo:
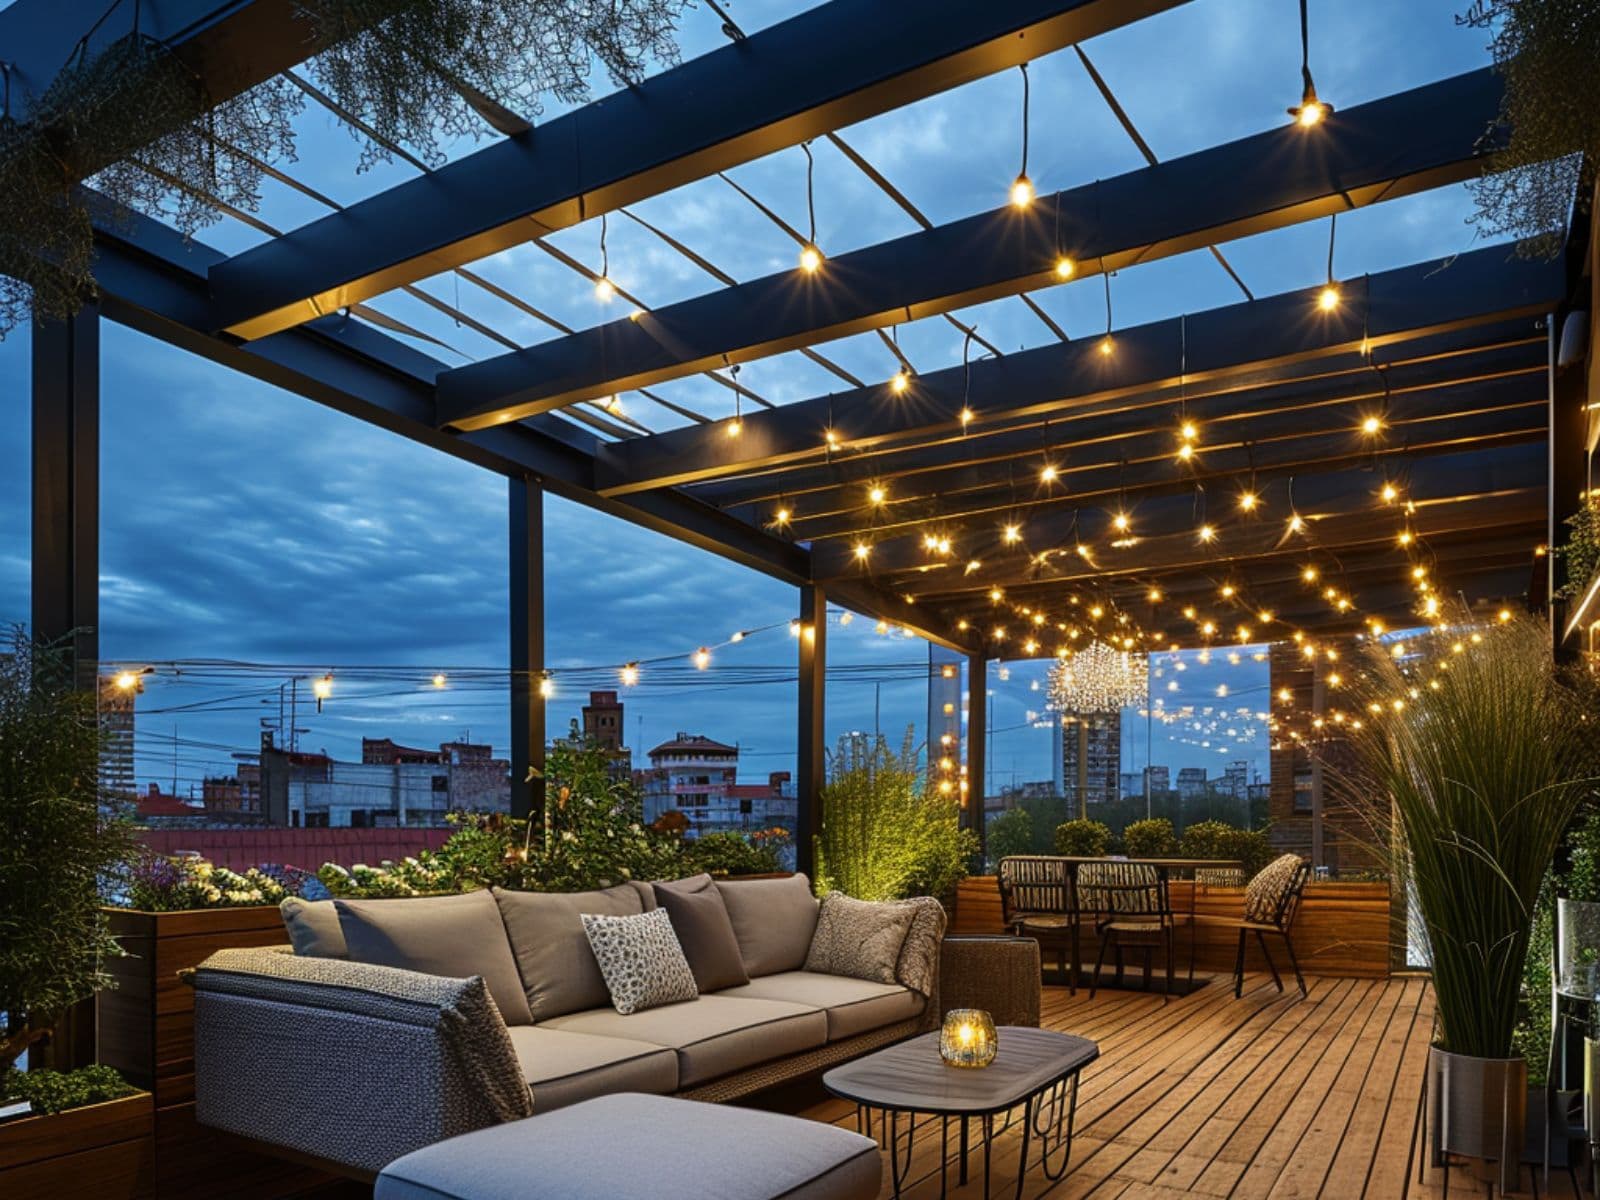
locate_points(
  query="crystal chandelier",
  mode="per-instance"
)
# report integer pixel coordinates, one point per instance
(1098, 679)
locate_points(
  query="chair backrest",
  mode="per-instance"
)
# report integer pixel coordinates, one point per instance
(1219, 876)
(1274, 894)
(1110, 889)
(1032, 883)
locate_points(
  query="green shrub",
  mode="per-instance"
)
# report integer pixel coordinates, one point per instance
(1010, 833)
(730, 853)
(54, 1091)
(1082, 839)
(884, 835)
(1152, 838)
(1217, 839)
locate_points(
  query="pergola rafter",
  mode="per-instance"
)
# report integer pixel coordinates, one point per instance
(1420, 139)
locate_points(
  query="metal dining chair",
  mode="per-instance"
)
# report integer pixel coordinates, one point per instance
(1128, 900)
(1037, 901)
(1272, 898)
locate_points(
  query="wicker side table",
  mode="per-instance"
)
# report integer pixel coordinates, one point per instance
(997, 974)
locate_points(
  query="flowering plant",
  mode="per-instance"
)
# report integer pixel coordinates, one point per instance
(162, 883)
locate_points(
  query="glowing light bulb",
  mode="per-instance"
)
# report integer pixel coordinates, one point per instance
(966, 416)
(810, 259)
(604, 290)
(1228, 591)
(735, 427)
(1012, 534)
(863, 551)
(1206, 533)
(1503, 615)
(1309, 574)
(1121, 523)
(322, 688)
(1022, 192)
(1154, 596)
(1310, 111)
(794, 629)
(439, 681)
(1328, 298)
(702, 659)
(630, 674)
(1285, 695)
(126, 681)
(1065, 268)
(832, 439)
(1390, 493)
(1106, 346)
(900, 381)
(1189, 431)
(636, 315)
(1048, 475)
(995, 595)
(1297, 523)
(877, 494)
(1185, 452)
(1266, 615)
(1248, 501)
(1406, 538)
(1189, 613)
(1372, 425)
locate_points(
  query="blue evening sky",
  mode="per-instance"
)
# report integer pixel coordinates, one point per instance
(243, 523)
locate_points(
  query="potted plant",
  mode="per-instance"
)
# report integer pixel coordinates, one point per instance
(1476, 756)
(57, 846)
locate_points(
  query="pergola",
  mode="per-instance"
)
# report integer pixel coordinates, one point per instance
(1011, 506)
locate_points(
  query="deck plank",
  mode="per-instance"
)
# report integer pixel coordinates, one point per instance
(1204, 1095)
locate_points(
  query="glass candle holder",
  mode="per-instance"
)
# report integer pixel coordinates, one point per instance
(967, 1038)
(1578, 948)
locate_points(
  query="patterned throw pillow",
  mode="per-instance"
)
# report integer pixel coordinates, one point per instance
(1267, 889)
(858, 938)
(641, 960)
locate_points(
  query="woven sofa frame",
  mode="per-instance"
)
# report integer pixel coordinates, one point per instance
(405, 1060)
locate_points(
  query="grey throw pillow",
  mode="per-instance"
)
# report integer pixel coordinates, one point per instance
(313, 927)
(859, 938)
(454, 936)
(641, 960)
(700, 919)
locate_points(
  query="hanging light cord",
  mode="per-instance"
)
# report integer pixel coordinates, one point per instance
(811, 202)
(1106, 275)
(1305, 49)
(1333, 228)
(1026, 103)
(605, 256)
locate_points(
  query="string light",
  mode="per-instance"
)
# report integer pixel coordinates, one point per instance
(1012, 534)
(900, 381)
(1022, 192)
(862, 551)
(630, 674)
(1372, 425)
(1248, 501)
(810, 256)
(1048, 474)
(810, 259)
(1311, 111)
(877, 493)
(1297, 523)
(439, 680)
(1206, 533)
(1065, 268)
(1121, 522)
(781, 516)
(702, 658)
(604, 290)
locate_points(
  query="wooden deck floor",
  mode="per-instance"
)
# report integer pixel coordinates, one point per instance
(1267, 1096)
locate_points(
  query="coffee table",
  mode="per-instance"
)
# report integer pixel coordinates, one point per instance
(1036, 1069)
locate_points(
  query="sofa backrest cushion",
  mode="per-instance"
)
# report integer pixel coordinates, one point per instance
(313, 927)
(773, 920)
(558, 969)
(455, 936)
(700, 919)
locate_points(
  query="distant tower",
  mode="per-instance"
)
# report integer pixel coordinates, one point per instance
(602, 726)
(1091, 758)
(115, 705)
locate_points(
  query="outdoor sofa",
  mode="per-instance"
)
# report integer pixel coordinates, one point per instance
(503, 1012)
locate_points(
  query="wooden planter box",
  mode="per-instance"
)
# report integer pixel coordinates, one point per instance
(146, 1031)
(1342, 929)
(97, 1152)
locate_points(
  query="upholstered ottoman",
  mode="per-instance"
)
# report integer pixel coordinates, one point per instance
(628, 1144)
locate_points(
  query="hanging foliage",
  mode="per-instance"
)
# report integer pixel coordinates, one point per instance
(136, 125)
(1546, 50)
(419, 71)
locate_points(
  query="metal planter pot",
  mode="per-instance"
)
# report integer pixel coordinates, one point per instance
(1479, 1109)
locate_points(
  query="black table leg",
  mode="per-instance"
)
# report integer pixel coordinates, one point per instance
(963, 1151)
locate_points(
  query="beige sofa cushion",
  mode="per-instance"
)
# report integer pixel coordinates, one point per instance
(859, 938)
(700, 919)
(454, 936)
(853, 1005)
(313, 927)
(773, 920)
(712, 1035)
(558, 968)
(563, 1068)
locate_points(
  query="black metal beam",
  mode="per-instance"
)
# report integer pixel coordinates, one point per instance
(811, 740)
(525, 529)
(972, 810)
(1441, 420)
(1239, 346)
(1419, 139)
(1168, 524)
(66, 489)
(1470, 353)
(832, 66)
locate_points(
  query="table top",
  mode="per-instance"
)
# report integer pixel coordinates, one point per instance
(911, 1075)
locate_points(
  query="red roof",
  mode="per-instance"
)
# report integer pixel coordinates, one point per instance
(166, 806)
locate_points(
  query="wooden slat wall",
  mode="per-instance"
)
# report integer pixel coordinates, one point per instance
(99, 1152)
(1342, 930)
(147, 1032)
